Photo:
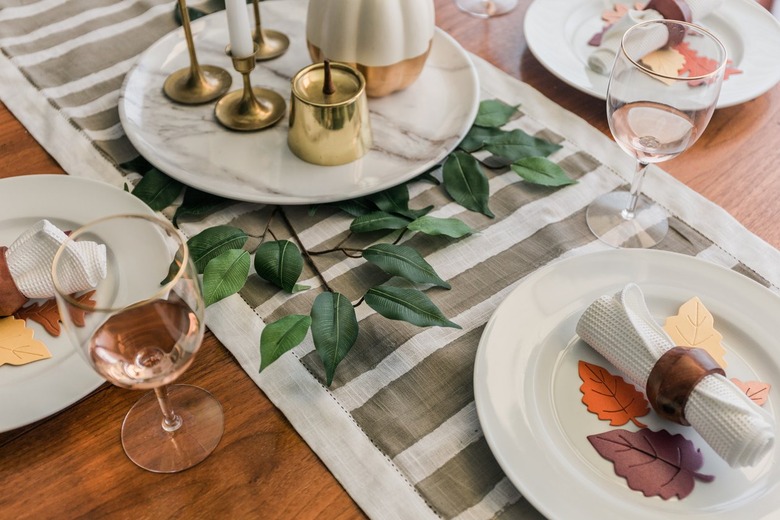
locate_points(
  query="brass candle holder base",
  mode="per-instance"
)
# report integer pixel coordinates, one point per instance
(250, 108)
(271, 44)
(205, 84)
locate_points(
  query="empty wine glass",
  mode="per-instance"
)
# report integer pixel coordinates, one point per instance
(654, 116)
(142, 333)
(486, 8)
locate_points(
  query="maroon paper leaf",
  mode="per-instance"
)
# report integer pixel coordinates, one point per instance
(655, 463)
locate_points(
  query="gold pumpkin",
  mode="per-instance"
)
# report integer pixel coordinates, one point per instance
(388, 41)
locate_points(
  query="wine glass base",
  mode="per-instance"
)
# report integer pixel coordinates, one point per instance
(486, 8)
(154, 449)
(646, 229)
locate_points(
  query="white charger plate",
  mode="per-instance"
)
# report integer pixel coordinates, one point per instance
(36, 390)
(557, 32)
(413, 129)
(526, 385)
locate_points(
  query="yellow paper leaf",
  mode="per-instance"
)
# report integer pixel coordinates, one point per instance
(694, 326)
(17, 346)
(665, 61)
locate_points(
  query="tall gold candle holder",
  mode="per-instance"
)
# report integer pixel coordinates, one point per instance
(249, 108)
(270, 44)
(195, 84)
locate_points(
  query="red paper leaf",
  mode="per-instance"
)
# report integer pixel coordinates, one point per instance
(611, 397)
(655, 463)
(755, 390)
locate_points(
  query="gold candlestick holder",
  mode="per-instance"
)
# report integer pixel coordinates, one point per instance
(270, 44)
(195, 84)
(249, 108)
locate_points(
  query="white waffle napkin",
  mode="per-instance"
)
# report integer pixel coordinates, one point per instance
(622, 330)
(601, 59)
(31, 255)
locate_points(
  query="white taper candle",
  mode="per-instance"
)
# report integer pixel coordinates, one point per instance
(241, 42)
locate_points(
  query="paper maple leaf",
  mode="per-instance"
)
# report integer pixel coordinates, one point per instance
(694, 326)
(17, 346)
(618, 11)
(665, 61)
(48, 316)
(655, 463)
(611, 397)
(757, 391)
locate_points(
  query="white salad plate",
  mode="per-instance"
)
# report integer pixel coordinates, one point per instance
(557, 32)
(39, 389)
(413, 129)
(527, 387)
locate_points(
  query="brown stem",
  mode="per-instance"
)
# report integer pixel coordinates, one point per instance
(306, 254)
(328, 88)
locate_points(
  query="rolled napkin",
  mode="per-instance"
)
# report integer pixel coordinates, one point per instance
(601, 59)
(28, 263)
(621, 329)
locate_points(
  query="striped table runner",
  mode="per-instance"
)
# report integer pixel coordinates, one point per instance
(398, 427)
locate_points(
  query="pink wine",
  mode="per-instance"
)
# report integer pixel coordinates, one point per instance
(652, 132)
(146, 346)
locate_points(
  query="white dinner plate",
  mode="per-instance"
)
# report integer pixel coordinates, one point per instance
(526, 386)
(36, 390)
(557, 32)
(413, 129)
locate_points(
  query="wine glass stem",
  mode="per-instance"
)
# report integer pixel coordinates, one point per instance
(171, 422)
(636, 188)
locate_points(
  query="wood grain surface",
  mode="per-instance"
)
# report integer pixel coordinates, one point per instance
(72, 464)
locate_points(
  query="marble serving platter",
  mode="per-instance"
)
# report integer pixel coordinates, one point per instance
(413, 130)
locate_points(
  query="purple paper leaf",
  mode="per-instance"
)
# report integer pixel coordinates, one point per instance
(655, 463)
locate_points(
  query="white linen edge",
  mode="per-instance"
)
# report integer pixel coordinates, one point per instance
(370, 478)
(70, 147)
(702, 214)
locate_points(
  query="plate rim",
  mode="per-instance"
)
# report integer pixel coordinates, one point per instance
(15, 188)
(270, 197)
(736, 96)
(488, 417)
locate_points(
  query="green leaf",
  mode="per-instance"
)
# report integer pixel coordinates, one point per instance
(355, 207)
(451, 227)
(282, 335)
(376, 221)
(280, 262)
(410, 305)
(476, 137)
(516, 145)
(466, 183)
(334, 329)
(197, 204)
(157, 190)
(427, 177)
(225, 275)
(538, 170)
(403, 261)
(214, 241)
(494, 113)
(396, 200)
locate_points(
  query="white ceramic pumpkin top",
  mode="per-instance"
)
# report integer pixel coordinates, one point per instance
(374, 33)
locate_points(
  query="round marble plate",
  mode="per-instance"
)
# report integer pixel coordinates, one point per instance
(413, 129)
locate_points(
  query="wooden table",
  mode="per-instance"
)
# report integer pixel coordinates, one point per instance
(72, 464)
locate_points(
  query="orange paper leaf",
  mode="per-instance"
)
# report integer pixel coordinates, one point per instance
(665, 61)
(611, 397)
(755, 390)
(695, 64)
(694, 326)
(45, 313)
(17, 346)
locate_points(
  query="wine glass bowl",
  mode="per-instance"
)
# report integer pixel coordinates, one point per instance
(142, 333)
(663, 89)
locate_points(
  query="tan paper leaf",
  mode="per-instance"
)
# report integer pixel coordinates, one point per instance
(757, 391)
(665, 61)
(694, 326)
(17, 346)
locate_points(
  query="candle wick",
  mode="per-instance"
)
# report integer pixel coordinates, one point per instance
(327, 85)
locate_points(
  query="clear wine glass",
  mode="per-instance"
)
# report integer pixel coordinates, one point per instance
(486, 8)
(654, 116)
(142, 333)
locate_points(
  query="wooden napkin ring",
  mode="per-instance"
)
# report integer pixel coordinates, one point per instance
(11, 299)
(673, 378)
(673, 10)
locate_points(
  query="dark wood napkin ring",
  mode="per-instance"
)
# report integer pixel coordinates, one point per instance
(673, 378)
(11, 300)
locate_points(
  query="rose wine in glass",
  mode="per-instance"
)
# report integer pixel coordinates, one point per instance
(142, 333)
(654, 116)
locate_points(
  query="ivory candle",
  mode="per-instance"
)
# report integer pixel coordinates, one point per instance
(241, 43)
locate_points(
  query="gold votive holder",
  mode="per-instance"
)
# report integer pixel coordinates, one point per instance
(329, 126)
(250, 108)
